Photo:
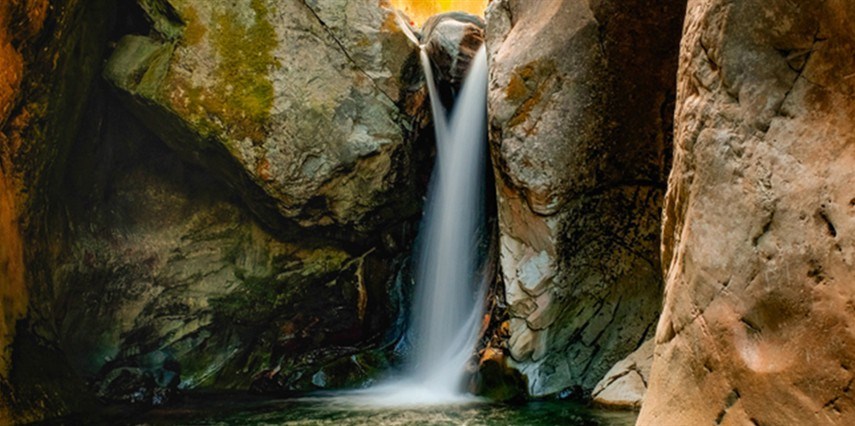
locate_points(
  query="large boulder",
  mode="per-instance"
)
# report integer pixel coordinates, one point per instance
(302, 106)
(451, 40)
(263, 245)
(759, 223)
(625, 385)
(166, 271)
(580, 102)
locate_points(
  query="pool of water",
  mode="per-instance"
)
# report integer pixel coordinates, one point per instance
(244, 410)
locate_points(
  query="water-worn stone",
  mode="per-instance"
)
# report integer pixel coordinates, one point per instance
(451, 40)
(580, 102)
(303, 107)
(759, 222)
(625, 384)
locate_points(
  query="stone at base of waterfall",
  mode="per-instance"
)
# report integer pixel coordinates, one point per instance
(625, 385)
(495, 380)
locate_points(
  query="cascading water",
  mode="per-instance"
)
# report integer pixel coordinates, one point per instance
(448, 308)
(449, 284)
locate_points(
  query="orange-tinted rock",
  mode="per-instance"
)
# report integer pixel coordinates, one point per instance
(759, 223)
(47, 62)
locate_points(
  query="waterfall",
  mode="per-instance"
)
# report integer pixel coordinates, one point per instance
(437, 110)
(446, 316)
(448, 304)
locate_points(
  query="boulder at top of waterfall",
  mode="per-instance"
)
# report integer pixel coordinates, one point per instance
(451, 40)
(303, 108)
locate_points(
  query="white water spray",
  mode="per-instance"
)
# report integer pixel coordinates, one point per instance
(448, 307)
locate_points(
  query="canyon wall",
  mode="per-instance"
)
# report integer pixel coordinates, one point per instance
(580, 105)
(251, 213)
(49, 56)
(229, 207)
(759, 219)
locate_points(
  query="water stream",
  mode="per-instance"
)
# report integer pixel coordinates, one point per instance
(448, 305)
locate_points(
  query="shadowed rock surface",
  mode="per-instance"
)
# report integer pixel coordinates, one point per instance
(165, 272)
(580, 104)
(759, 220)
(49, 56)
(262, 241)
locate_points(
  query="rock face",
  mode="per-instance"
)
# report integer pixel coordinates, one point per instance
(166, 273)
(259, 243)
(580, 152)
(272, 256)
(625, 384)
(43, 87)
(760, 219)
(299, 105)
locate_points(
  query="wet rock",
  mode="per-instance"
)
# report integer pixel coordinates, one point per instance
(130, 385)
(451, 40)
(495, 380)
(625, 384)
(759, 222)
(343, 371)
(580, 103)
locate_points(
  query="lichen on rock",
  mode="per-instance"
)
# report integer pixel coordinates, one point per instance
(298, 111)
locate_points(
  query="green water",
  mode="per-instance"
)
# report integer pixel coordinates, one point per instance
(242, 410)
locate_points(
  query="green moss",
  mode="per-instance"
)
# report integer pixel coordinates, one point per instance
(194, 32)
(246, 55)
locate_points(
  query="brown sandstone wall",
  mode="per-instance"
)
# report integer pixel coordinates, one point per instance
(759, 219)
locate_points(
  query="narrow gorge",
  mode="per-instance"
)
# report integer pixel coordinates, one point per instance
(427, 212)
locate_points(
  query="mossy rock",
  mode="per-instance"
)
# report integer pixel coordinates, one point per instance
(297, 106)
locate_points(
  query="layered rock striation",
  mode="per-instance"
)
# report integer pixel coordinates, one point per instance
(580, 105)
